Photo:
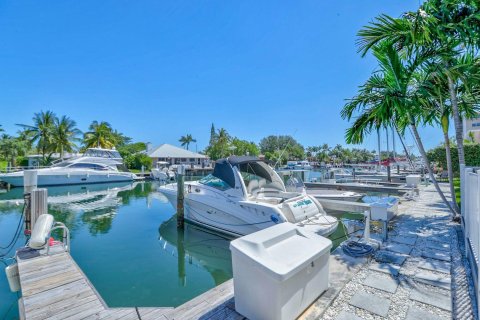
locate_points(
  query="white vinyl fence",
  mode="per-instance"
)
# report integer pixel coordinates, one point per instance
(470, 184)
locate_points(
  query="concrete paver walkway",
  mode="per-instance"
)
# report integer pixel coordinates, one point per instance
(410, 277)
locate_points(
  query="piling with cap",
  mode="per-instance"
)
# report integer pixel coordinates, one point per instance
(30, 178)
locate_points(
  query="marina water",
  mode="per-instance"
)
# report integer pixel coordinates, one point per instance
(124, 238)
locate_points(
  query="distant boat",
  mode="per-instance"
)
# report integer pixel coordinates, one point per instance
(96, 165)
(161, 172)
(244, 195)
(293, 180)
(299, 165)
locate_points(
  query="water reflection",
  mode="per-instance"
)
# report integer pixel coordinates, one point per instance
(199, 247)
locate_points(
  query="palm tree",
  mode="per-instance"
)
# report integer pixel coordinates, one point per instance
(100, 135)
(450, 27)
(437, 110)
(64, 135)
(186, 140)
(41, 131)
(391, 95)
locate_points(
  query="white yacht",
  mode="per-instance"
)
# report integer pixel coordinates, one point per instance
(96, 165)
(244, 195)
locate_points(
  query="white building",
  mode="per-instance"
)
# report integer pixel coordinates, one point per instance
(175, 155)
(472, 126)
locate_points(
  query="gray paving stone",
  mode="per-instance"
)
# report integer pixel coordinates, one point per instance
(435, 254)
(415, 313)
(370, 302)
(385, 268)
(398, 248)
(435, 299)
(390, 257)
(443, 239)
(348, 316)
(438, 245)
(442, 281)
(387, 284)
(435, 265)
(405, 239)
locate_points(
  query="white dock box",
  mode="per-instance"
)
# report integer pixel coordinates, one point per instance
(384, 209)
(413, 180)
(279, 271)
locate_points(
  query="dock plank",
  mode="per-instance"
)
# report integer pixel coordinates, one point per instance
(54, 287)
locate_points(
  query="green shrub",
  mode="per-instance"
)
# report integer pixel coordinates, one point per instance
(136, 161)
(439, 156)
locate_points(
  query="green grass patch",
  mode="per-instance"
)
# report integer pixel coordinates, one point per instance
(3, 165)
(456, 185)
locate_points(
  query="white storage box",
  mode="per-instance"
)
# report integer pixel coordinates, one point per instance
(279, 271)
(413, 180)
(384, 209)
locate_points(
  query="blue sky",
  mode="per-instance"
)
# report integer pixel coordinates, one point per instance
(157, 70)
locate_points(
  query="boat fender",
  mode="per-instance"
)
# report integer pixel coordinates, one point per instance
(13, 277)
(40, 231)
(274, 218)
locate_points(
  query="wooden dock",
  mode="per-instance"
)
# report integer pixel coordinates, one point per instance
(54, 287)
(358, 187)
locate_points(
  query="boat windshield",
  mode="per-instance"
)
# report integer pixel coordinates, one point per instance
(258, 175)
(214, 182)
(62, 164)
(293, 180)
(102, 153)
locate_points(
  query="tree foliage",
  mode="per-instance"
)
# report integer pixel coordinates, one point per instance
(186, 140)
(472, 156)
(102, 135)
(281, 148)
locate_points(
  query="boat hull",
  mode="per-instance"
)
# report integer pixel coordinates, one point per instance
(62, 178)
(239, 218)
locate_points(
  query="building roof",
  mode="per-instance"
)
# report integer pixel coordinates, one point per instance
(168, 151)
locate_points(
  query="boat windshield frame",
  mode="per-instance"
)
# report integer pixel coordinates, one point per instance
(102, 153)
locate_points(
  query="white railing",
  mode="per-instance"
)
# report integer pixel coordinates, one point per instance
(470, 192)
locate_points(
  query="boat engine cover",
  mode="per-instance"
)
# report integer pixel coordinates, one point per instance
(302, 208)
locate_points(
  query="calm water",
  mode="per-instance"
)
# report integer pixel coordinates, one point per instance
(124, 238)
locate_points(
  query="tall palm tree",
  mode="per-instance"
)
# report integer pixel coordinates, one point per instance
(100, 135)
(186, 140)
(438, 110)
(41, 131)
(391, 94)
(450, 27)
(64, 135)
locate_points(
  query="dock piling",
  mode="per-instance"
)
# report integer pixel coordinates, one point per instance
(30, 179)
(180, 195)
(38, 204)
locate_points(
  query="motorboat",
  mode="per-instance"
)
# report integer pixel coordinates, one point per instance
(161, 172)
(244, 195)
(299, 165)
(96, 165)
(294, 181)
